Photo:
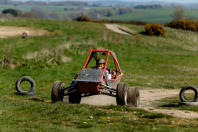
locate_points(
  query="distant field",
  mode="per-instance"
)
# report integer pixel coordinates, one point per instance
(55, 9)
(154, 15)
(161, 15)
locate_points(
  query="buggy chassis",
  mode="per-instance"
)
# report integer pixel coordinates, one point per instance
(72, 89)
(94, 81)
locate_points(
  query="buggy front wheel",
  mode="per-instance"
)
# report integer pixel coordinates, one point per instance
(57, 93)
(121, 94)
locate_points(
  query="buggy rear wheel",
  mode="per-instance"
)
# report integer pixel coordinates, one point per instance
(121, 94)
(57, 94)
(133, 97)
(75, 97)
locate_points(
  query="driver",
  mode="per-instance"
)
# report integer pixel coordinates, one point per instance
(101, 65)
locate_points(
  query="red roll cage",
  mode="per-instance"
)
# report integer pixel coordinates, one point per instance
(93, 53)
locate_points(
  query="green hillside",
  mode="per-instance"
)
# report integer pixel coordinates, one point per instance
(147, 62)
(161, 15)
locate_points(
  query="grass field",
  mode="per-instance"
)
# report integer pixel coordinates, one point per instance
(147, 62)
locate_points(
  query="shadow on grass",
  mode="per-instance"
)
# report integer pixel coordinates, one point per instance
(170, 105)
(36, 99)
(143, 33)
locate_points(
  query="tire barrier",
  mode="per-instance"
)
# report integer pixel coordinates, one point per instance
(24, 35)
(31, 91)
(187, 88)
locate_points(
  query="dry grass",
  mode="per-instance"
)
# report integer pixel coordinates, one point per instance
(46, 52)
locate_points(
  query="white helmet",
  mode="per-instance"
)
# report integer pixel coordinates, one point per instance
(101, 61)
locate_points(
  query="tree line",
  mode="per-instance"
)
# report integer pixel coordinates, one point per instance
(43, 3)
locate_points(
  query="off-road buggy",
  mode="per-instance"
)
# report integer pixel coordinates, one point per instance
(94, 81)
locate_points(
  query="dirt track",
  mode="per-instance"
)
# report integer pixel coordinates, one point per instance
(8, 31)
(120, 29)
(115, 28)
(147, 97)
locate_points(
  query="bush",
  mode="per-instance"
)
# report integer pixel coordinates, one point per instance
(184, 24)
(154, 29)
(83, 18)
(13, 12)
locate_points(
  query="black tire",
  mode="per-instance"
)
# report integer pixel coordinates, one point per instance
(121, 94)
(24, 35)
(31, 92)
(57, 93)
(133, 97)
(184, 89)
(75, 98)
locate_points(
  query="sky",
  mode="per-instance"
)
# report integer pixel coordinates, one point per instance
(170, 1)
